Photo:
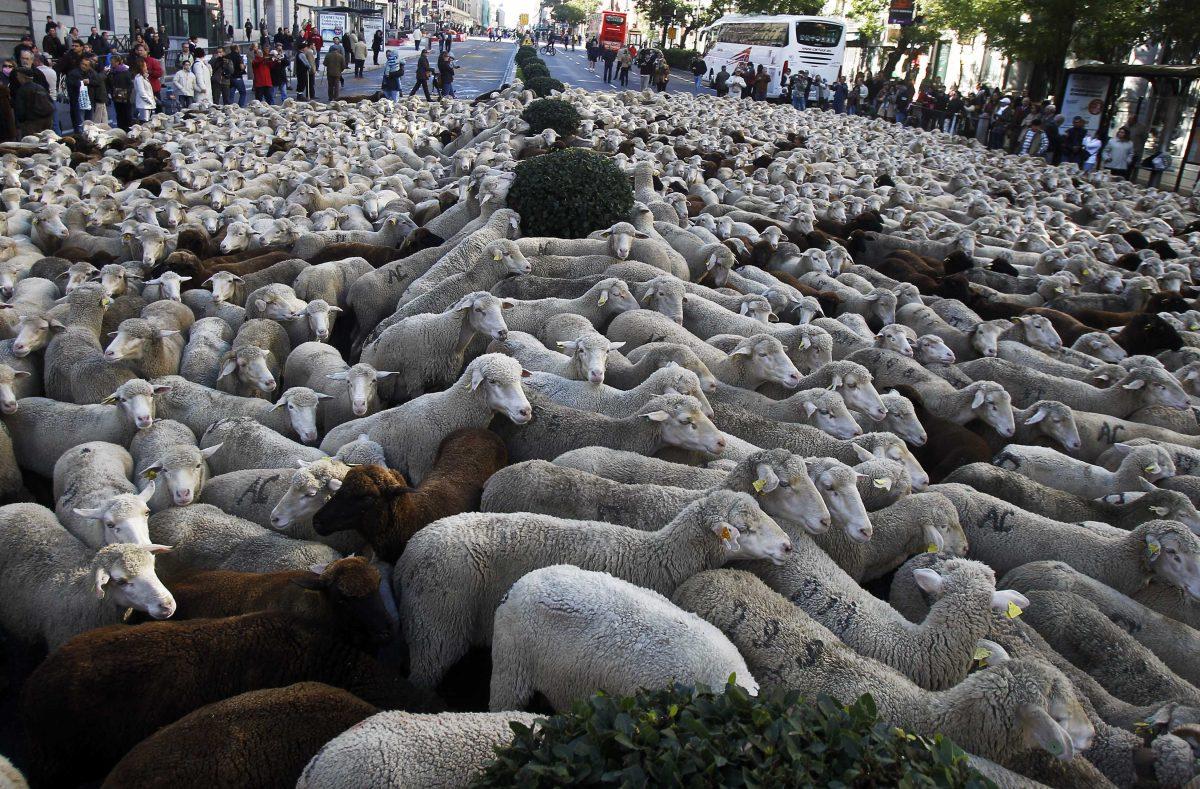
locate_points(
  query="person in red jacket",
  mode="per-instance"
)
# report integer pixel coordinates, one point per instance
(261, 66)
(154, 68)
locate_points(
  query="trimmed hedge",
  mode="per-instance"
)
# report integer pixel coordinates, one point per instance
(569, 193)
(680, 58)
(535, 69)
(554, 114)
(542, 86)
(682, 737)
(524, 54)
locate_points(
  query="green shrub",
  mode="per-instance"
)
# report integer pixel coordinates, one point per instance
(694, 738)
(551, 114)
(535, 69)
(680, 58)
(569, 193)
(525, 53)
(542, 86)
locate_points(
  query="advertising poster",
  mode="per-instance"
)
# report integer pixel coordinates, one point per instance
(332, 26)
(900, 12)
(1084, 97)
(369, 25)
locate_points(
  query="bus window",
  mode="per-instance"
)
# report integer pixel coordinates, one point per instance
(818, 34)
(758, 34)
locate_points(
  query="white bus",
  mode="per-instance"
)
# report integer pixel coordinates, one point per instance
(816, 44)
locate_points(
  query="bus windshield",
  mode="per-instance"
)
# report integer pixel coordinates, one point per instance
(614, 19)
(818, 34)
(758, 34)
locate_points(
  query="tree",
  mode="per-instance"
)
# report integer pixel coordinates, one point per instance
(697, 17)
(780, 6)
(661, 14)
(568, 14)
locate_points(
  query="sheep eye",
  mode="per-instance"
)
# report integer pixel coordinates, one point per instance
(852, 385)
(493, 381)
(823, 412)
(122, 582)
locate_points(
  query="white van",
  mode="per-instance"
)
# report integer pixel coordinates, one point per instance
(816, 44)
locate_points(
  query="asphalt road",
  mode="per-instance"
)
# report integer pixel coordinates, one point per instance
(482, 66)
(570, 67)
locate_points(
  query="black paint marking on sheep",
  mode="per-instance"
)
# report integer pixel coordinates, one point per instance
(1130, 626)
(1108, 433)
(995, 520)
(257, 491)
(770, 632)
(812, 653)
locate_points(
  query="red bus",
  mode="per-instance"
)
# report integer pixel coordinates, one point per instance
(609, 27)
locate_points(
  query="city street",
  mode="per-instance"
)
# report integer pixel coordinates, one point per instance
(571, 67)
(481, 67)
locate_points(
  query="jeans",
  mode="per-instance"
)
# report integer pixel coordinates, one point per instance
(623, 76)
(392, 95)
(901, 115)
(280, 91)
(696, 83)
(608, 71)
(359, 65)
(422, 85)
(799, 100)
(239, 86)
(183, 101)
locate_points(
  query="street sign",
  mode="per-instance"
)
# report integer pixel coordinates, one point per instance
(524, 19)
(671, 33)
(900, 12)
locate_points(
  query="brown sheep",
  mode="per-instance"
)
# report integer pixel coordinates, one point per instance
(949, 445)
(1068, 327)
(241, 263)
(379, 503)
(263, 738)
(104, 691)
(345, 589)
(375, 255)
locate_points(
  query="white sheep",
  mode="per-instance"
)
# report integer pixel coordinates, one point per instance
(56, 587)
(610, 401)
(431, 577)
(352, 391)
(554, 634)
(166, 455)
(585, 357)
(94, 498)
(246, 443)
(255, 359)
(1056, 470)
(208, 342)
(199, 406)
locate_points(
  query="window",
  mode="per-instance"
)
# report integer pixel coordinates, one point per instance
(63, 8)
(818, 34)
(757, 34)
(614, 19)
(183, 18)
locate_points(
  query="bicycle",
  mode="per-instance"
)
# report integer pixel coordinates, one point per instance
(549, 50)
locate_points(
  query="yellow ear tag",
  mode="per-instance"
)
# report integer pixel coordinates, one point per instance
(603, 299)
(1087, 272)
(1013, 610)
(1152, 550)
(981, 654)
(1151, 469)
(498, 256)
(759, 484)
(931, 548)
(725, 534)
(883, 483)
(150, 473)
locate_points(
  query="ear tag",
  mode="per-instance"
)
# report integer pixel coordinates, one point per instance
(1013, 610)
(150, 474)
(603, 299)
(980, 656)
(1152, 550)
(759, 484)
(931, 548)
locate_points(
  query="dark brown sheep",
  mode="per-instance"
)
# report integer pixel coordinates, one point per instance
(379, 503)
(241, 263)
(103, 692)
(949, 445)
(263, 739)
(347, 589)
(1148, 334)
(375, 255)
(1105, 319)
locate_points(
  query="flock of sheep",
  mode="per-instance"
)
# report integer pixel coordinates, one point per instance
(295, 417)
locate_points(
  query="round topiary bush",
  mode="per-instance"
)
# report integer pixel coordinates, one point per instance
(535, 69)
(569, 193)
(524, 54)
(685, 737)
(543, 86)
(554, 114)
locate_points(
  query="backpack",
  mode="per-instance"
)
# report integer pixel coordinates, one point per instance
(40, 105)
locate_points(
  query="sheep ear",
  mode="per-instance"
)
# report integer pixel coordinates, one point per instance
(102, 578)
(1161, 512)
(657, 416)
(228, 368)
(1147, 485)
(728, 534)
(322, 396)
(767, 479)
(989, 653)
(507, 304)
(640, 234)
(260, 305)
(338, 376)
(384, 374)
(928, 580)
(603, 298)
(25, 374)
(207, 453)
(937, 543)
(978, 400)
(1003, 598)
(568, 345)
(88, 512)
(314, 583)
(805, 344)
(745, 308)
(463, 304)
(1153, 547)
(147, 492)
(835, 382)
(281, 404)
(742, 349)
(1043, 730)
(863, 454)
(476, 379)
(160, 389)
(1037, 416)
(616, 346)
(883, 483)
(1136, 383)
(166, 333)
(155, 548)
(810, 409)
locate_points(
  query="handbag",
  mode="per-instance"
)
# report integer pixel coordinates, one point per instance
(85, 100)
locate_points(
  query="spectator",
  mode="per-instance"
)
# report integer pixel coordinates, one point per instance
(154, 48)
(50, 23)
(335, 63)
(422, 75)
(237, 82)
(222, 75)
(593, 53)
(359, 50)
(1033, 140)
(202, 69)
(185, 58)
(306, 71)
(249, 30)
(954, 111)
(1053, 139)
(33, 109)
(737, 83)
(446, 74)
(799, 86)
(184, 83)
(260, 64)
(662, 75)
(143, 93)
(1073, 142)
(51, 44)
(8, 119)
(376, 47)
(762, 83)
(347, 45)
(1158, 163)
(229, 31)
(120, 89)
(79, 103)
(26, 43)
(624, 64)
(609, 56)
(647, 65)
(29, 60)
(1118, 154)
(279, 75)
(699, 69)
(902, 99)
(98, 93)
(281, 39)
(393, 70)
(840, 91)
(1091, 151)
